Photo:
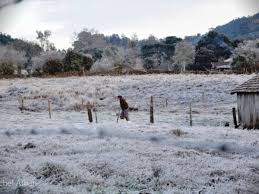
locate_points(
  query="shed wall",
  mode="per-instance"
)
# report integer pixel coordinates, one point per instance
(248, 110)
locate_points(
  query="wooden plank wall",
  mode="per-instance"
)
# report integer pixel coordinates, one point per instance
(248, 110)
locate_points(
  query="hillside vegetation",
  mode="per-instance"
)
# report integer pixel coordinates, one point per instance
(234, 46)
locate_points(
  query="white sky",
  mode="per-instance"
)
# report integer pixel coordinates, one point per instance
(144, 17)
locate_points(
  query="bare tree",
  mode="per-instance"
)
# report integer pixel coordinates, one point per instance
(184, 55)
(43, 38)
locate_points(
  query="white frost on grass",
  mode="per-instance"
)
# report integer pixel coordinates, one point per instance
(210, 96)
(132, 158)
(65, 93)
(73, 156)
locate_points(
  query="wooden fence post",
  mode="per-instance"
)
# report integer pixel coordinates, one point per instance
(49, 108)
(96, 119)
(191, 114)
(22, 108)
(151, 110)
(234, 117)
(166, 103)
(89, 112)
(95, 114)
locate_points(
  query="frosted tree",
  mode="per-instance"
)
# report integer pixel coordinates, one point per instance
(11, 59)
(246, 56)
(9, 54)
(39, 61)
(113, 57)
(105, 54)
(133, 41)
(89, 39)
(43, 38)
(110, 57)
(131, 57)
(184, 55)
(131, 54)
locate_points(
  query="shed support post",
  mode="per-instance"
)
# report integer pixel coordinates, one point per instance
(234, 117)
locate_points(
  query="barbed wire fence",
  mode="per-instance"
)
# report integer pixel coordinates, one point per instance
(156, 110)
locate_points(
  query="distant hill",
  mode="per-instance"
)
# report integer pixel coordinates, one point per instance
(30, 48)
(241, 28)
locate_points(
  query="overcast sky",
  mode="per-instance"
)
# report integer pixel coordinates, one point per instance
(144, 17)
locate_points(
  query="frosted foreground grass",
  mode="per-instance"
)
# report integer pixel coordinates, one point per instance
(66, 154)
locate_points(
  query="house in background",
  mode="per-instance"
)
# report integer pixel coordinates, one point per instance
(248, 103)
(222, 65)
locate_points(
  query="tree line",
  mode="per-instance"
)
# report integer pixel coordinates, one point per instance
(95, 52)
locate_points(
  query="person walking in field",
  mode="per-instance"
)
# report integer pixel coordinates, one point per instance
(124, 108)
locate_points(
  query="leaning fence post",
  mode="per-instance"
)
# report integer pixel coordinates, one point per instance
(151, 110)
(49, 108)
(234, 117)
(89, 112)
(191, 114)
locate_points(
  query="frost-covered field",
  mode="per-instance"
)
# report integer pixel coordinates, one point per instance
(69, 155)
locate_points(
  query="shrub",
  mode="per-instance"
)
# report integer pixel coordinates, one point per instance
(56, 174)
(178, 132)
(76, 62)
(87, 63)
(33, 132)
(53, 66)
(7, 68)
(8, 134)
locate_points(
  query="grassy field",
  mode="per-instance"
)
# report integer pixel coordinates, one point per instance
(67, 154)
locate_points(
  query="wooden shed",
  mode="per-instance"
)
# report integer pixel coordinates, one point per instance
(248, 103)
